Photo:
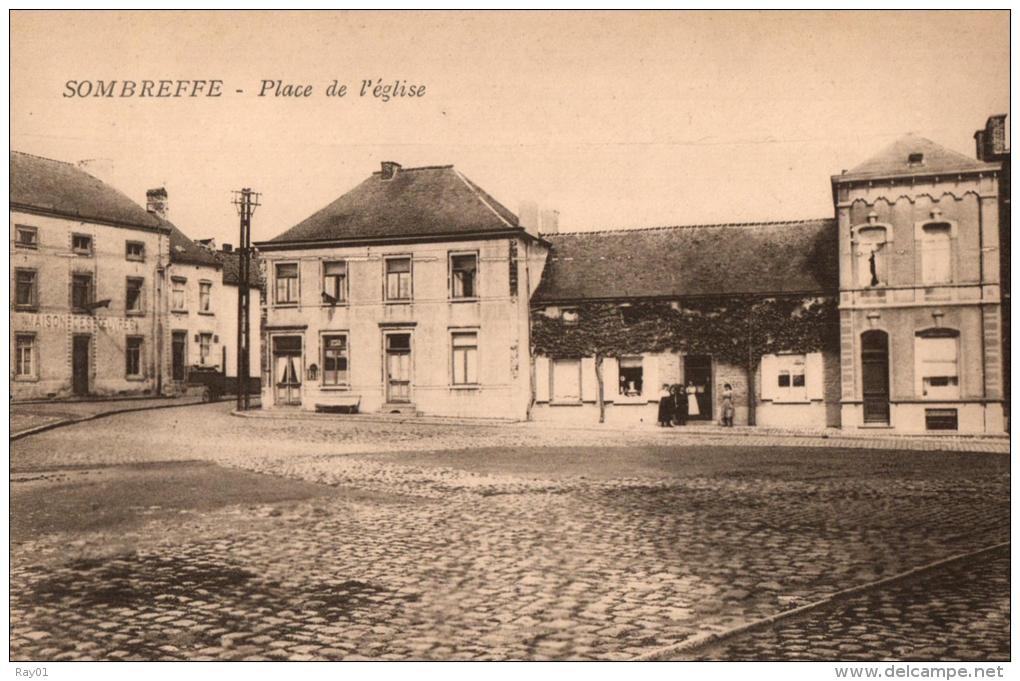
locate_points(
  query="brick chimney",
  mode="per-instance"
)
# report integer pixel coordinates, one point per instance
(156, 202)
(548, 221)
(991, 142)
(390, 170)
(228, 248)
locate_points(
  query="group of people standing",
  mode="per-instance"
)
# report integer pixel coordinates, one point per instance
(678, 403)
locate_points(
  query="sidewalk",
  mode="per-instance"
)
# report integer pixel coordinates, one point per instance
(34, 417)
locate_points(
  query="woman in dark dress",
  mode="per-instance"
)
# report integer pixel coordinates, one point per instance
(665, 406)
(679, 404)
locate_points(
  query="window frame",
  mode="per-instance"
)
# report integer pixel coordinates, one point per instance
(921, 239)
(454, 349)
(451, 255)
(622, 396)
(207, 283)
(33, 374)
(140, 310)
(342, 299)
(338, 385)
(86, 253)
(557, 400)
(140, 375)
(33, 304)
(276, 286)
(951, 391)
(91, 292)
(183, 281)
(202, 335)
(21, 245)
(791, 393)
(387, 259)
(127, 251)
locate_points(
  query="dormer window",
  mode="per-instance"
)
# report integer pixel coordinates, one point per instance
(915, 159)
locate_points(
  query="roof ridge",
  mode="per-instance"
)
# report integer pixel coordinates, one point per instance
(761, 223)
(408, 170)
(46, 158)
(477, 193)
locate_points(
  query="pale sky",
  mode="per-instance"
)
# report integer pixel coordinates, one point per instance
(616, 120)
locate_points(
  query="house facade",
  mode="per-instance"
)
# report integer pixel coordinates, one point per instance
(87, 289)
(920, 291)
(620, 313)
(408, 294)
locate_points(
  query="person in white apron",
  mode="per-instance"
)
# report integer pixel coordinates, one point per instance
(693, 410)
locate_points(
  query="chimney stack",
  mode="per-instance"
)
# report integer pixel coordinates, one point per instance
(549, 221)
(991, 142)
(527, 217)
(228, 248)
(156, 202)
(390, 170)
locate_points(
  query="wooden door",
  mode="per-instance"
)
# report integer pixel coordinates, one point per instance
(398, 367)
(80, 365)
(875, 376)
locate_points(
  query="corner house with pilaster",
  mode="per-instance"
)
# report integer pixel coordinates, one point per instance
(920, 307)
(86, 269)
(407, 294)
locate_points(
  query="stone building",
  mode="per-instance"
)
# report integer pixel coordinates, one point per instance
(86, 276)
(708, 305)
(409, 293)
(920, 291)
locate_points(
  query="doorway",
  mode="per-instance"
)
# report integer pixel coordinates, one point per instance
(398, 367)
(875, 376)
(178, 355)
(698, 369)
(80, 351)
(287, 370)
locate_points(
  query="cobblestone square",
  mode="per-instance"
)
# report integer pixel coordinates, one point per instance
(334, 540)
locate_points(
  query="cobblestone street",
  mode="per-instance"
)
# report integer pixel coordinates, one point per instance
(479, 542)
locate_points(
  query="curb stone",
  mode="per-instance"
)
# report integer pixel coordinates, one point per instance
(699, 641)
(92, 417)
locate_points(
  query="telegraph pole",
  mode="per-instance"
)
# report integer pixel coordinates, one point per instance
(246, 201)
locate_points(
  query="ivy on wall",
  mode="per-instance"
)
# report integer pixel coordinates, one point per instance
(736, 331)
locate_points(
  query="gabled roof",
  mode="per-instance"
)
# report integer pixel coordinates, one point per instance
(895, 161)
(61, 188)
(699, 260)
(415, 202)
(184, 250)
(231, 268)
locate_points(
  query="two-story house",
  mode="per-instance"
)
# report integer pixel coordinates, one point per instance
(409, 293)
(86, 276)
(920, 306)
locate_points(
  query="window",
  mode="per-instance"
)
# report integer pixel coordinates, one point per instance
(398, 279)
(465, 357)
(630, 315)
(334, 282)
(177, 294)
(204, 348)
(871, 257)
(936, 254)
(26, 237)
(24, 355)
(204, 297)
(133, 357)
(26, 291)
(936, 353)
(81, 292)
(133, 301)
(566, 380)
(81, 244)
(463, 269)
(334, 360)
(791, 385)
(570, 315)
(287, 283)
(631, 376)
(135, 250)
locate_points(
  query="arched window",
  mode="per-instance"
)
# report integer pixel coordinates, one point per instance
(936, 360)
(871, 257)
(936, 253)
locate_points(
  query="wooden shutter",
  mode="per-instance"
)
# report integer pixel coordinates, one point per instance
(589, 381)
(610, 378)
(814, 376)
(768, 377)
(650, 377)
(541, 379)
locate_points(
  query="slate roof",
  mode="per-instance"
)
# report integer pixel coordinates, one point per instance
(63, 188)
(184, 250)
(699, 260)
(416, 202)
(893, 161)
(231, 268)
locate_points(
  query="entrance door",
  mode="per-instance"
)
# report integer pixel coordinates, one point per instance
(178, 355)
(698, 369)
(287, 368)
(875, 376)
(398, 367)
(80, 364)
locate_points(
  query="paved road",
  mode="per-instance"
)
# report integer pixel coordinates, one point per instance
(476, 543)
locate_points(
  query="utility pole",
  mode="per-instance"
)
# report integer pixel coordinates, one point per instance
(246, 201)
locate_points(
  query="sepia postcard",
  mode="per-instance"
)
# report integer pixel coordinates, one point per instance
(510, 336)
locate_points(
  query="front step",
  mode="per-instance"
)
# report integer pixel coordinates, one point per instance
(400, 408)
